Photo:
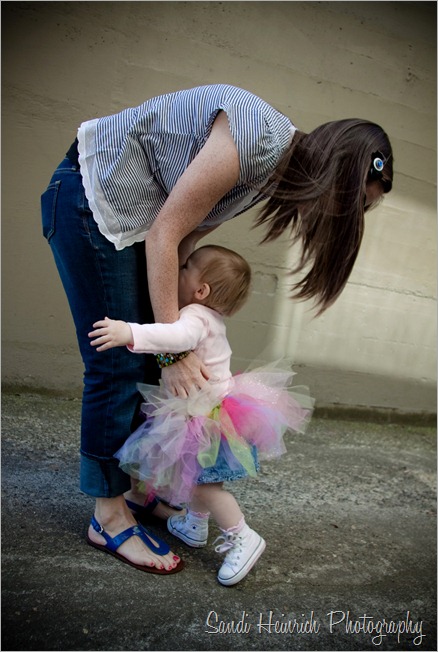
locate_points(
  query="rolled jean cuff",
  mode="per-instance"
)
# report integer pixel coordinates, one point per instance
(103, 477)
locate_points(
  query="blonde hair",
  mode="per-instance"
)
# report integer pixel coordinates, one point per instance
(227, 274)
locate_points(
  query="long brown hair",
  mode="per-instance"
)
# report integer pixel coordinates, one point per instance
(318, 191)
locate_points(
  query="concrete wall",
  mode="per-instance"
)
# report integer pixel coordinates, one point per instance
(65, 62)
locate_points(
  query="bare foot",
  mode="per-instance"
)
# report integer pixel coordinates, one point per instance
(115, 517)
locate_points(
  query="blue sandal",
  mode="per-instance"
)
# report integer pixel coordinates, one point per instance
(145, 512)
(113, 543)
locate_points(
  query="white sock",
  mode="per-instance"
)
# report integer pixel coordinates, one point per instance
(236, 528)
(197, 515)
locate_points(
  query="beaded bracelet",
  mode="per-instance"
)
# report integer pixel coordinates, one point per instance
(166, 359)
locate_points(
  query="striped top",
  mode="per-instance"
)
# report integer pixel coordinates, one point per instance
(130, 161)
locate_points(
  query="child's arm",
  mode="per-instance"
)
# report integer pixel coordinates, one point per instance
(182, 335)
(110, 333)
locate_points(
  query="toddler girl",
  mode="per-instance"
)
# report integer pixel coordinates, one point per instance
(188, 446)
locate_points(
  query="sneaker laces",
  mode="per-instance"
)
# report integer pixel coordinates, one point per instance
(230, 539)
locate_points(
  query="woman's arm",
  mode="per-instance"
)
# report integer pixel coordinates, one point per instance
(212, 174)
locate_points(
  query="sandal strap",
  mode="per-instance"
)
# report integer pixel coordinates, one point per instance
(163, 547)
(145, 510)
(112, 543)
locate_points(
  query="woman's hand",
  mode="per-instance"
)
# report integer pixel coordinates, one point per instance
(186, 376)
(110, 333)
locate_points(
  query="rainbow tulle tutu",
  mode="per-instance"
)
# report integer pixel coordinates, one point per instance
(180, 438)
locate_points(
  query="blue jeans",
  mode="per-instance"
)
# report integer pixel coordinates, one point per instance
(99, 281)
(223, 471)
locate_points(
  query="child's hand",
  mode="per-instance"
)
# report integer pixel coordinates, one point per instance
(110, 333)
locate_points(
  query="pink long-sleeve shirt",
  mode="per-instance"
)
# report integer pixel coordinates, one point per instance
(199, 329)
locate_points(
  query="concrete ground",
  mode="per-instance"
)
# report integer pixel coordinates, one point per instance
(349, 516)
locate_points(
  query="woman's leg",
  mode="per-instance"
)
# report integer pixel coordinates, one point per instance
(101, 281)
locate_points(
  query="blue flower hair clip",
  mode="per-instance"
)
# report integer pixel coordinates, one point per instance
(376, 171)
(377, 165)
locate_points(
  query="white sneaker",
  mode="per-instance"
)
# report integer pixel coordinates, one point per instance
(244, 550)
(190, 529)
